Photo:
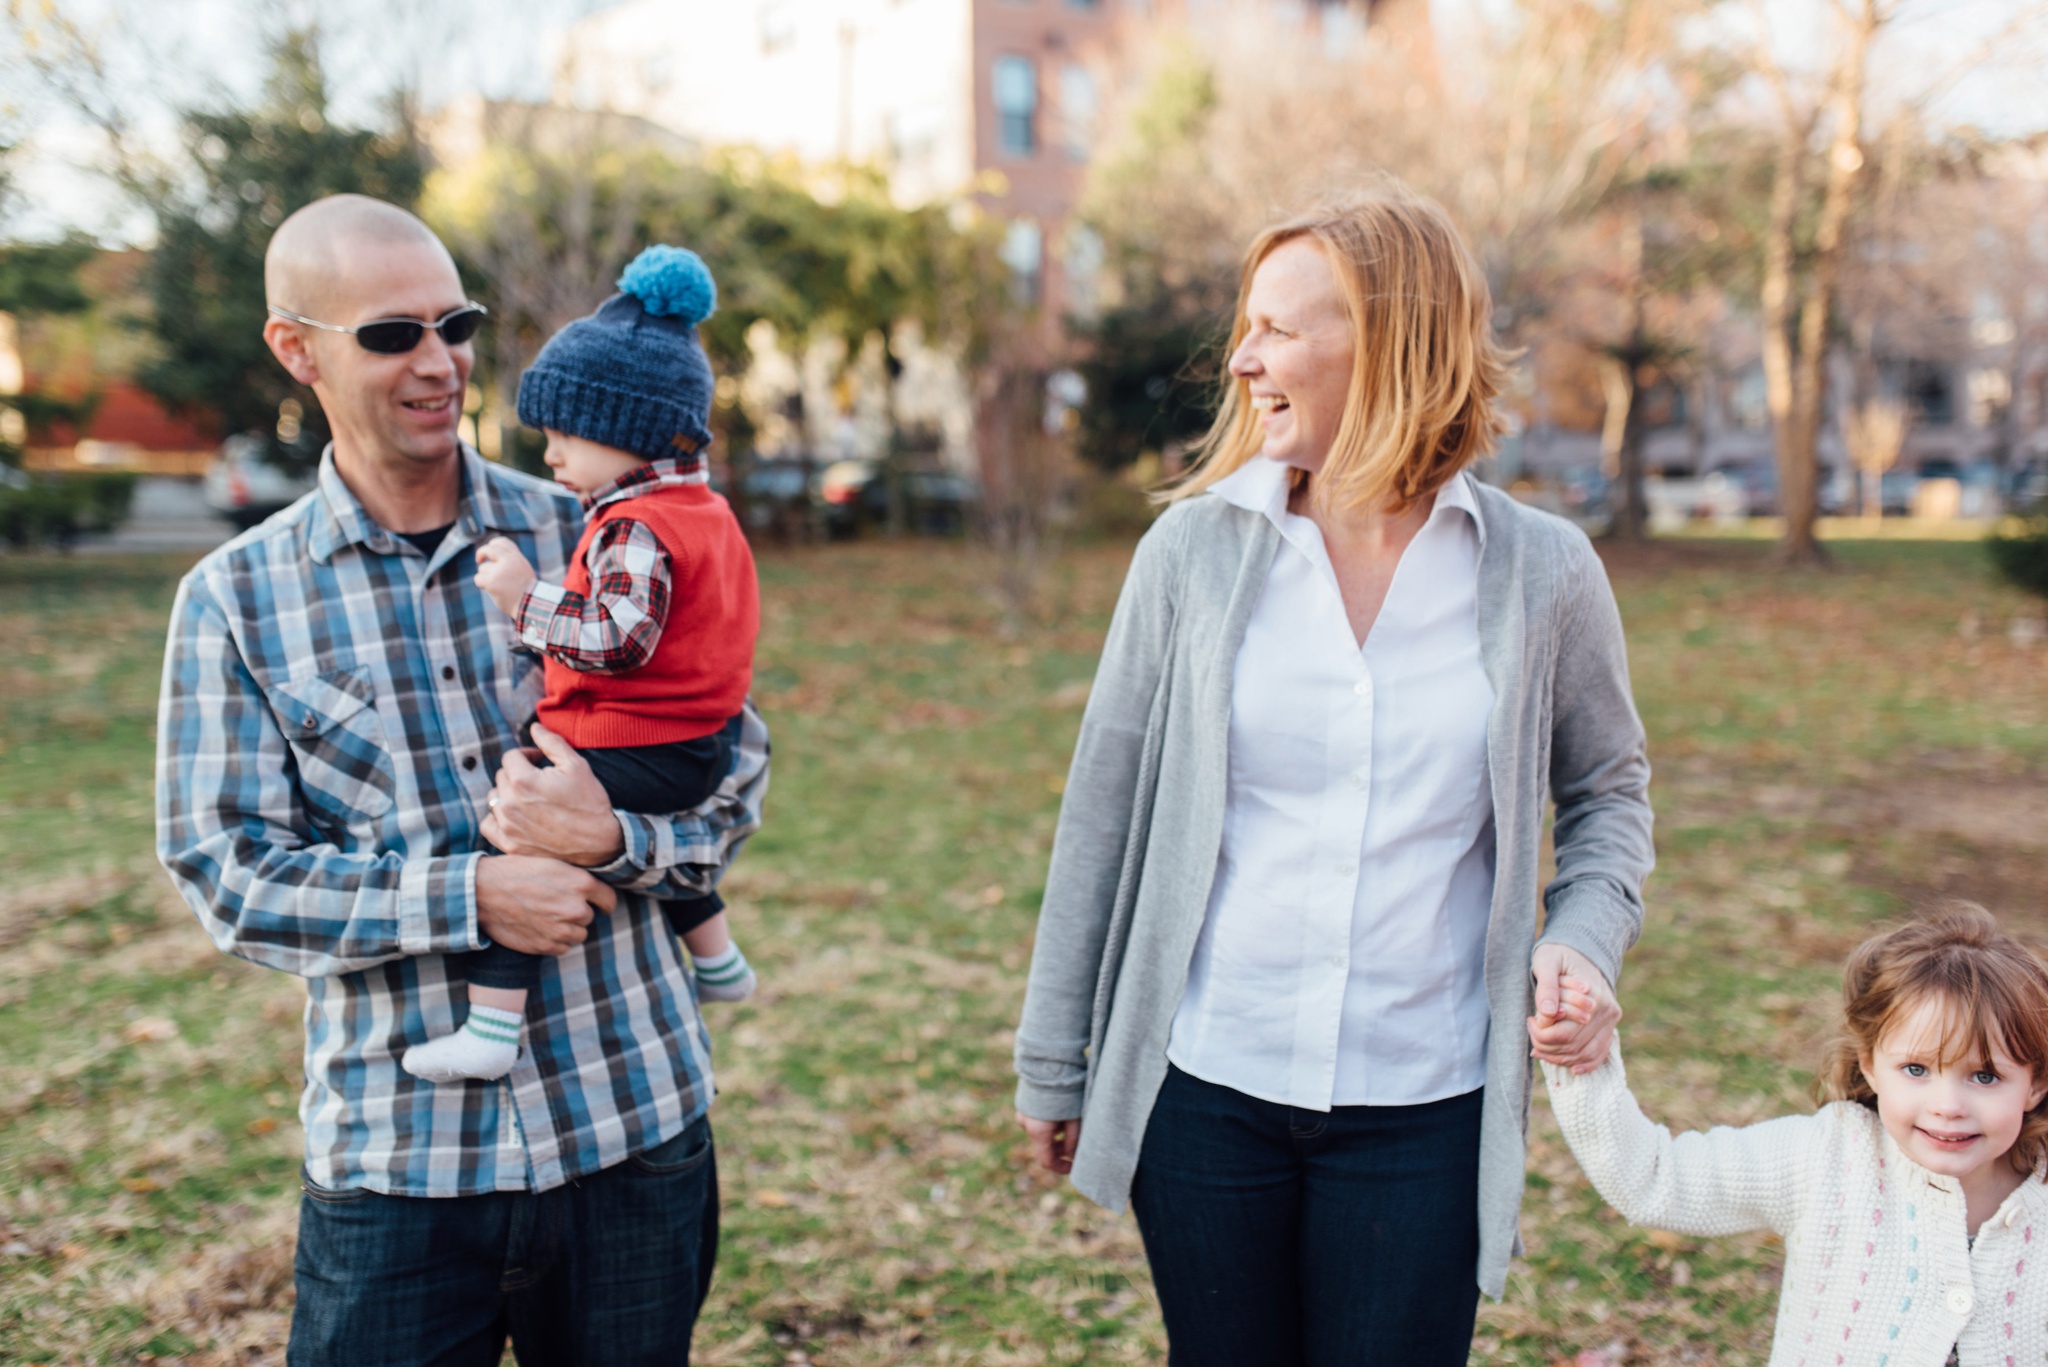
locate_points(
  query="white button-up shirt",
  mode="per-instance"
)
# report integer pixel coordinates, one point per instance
(1341, 961)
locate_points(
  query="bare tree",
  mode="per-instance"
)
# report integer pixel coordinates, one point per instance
(547, 206)
(1822, 118)
(1797, 303)
(1026, 462)
(1875, 434)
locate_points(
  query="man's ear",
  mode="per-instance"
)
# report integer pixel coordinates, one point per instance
(288, 342)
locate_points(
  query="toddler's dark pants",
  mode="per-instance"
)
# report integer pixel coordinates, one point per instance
(639, 778)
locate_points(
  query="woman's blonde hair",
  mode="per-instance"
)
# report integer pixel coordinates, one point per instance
(1993, 992)
(1425, 370)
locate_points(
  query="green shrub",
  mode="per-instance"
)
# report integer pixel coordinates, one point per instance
(55, 509)
(2019, 548)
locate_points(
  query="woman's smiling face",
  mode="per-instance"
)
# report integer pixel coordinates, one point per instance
(1297, 353)
(1955, 1117)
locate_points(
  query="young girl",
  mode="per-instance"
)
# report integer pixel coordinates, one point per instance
(1913, 1206)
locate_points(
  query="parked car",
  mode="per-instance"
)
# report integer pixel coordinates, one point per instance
(1756, 486)
(2027, 487)
(251, 477)
(1895, 492)
(853, 497)
(777, 496)
(1587, 498)
(1981, 495)
(937, 502)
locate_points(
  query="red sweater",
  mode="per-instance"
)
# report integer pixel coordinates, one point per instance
(703, 665)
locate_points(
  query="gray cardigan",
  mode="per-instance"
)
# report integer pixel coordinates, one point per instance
(1142, 824)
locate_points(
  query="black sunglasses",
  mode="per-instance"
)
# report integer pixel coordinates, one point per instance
(395, 336)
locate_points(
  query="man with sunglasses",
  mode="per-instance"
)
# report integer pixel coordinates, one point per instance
(338, 695)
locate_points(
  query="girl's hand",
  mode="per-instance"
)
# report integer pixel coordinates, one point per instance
(1052, 1141)
(1575, 1011)
(503, 574)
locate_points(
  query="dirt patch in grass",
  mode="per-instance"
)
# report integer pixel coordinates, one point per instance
(1930, 837)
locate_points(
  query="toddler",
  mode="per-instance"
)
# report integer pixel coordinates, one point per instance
(1913, 1207)
(648, 644)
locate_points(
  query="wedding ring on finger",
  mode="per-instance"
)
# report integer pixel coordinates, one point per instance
(494, 802)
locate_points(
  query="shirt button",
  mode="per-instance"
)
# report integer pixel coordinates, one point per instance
(1336, 961)
(447, 671)
(1959, 1302)
(1358, 779)
(1361, 688)
(469, 761)
(1347, 870)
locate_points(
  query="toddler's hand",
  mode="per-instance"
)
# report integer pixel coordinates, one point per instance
(1554, 1036)
(503, 573)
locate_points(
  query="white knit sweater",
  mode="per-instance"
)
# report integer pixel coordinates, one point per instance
(1878, 1271)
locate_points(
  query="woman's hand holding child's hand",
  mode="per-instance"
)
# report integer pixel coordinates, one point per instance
(503, 573)
(1575, 1012)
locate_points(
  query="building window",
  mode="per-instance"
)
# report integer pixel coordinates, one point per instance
(1024, 254)
(1079, 106)
(1081, 262)
(777, 19)
(1749, 400)
(913, 137)
(1016, 91)
(1928, 395)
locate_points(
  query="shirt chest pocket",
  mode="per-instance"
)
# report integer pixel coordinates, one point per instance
(337, 738)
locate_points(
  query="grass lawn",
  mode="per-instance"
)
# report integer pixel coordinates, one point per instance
(1830, 750)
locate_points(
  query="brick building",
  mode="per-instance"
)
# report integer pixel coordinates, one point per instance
(1005, 98)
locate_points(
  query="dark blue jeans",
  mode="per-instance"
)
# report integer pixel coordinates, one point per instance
(610, 1269)
(1286, 1238)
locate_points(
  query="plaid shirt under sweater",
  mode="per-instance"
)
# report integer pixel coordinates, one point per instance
(616, 627)
(334, 706)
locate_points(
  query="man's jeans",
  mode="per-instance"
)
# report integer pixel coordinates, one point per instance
(610, 1269)
(1339, 1238)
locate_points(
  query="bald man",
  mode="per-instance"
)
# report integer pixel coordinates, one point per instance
(337, 740)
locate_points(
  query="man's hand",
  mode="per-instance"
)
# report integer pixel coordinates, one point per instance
(561, 813)
(1052, 1141)
(503, 573)
(537, 906)
(1575, 1010)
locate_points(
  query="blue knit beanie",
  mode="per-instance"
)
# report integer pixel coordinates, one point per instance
(632, 375)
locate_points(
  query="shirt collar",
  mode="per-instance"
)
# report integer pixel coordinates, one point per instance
(1262, 486)
(669, 472)
(339, 518)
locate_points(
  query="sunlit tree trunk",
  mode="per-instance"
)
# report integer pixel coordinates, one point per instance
(1795, 321)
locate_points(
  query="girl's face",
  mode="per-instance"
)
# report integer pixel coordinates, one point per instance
(1958, 1118)
(1297, 353)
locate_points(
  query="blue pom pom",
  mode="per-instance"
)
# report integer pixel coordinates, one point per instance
(672, 281)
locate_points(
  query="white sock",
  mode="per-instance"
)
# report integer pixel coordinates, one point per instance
(726, 977)
(485, 1047)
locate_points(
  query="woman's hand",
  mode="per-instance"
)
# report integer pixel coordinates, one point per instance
(1052, 1141)
(1575, 1010)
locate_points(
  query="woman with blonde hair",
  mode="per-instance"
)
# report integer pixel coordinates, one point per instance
(1288, 950)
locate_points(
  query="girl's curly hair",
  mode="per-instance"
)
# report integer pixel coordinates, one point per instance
(1994, 992)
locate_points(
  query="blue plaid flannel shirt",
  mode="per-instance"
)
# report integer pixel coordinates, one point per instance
(334, 706)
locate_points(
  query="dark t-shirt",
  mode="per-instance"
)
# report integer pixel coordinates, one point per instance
(430, 541)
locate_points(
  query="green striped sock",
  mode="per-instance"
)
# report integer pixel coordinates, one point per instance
(485, 1047)
(726, 977)
(491, 1024)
